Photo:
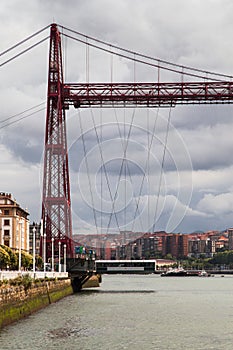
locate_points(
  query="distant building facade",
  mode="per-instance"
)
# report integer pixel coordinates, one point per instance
(37, 227)
(230, 238)
(155, 245)
(14, 223)
(176, 245)
(202, 247)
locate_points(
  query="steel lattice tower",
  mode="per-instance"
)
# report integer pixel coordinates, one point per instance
(56, 207)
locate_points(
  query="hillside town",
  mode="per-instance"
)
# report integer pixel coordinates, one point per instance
(16, 232)
(131, 245)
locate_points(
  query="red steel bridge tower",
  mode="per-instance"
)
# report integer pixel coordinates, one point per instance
(56, 206)
(56, 209)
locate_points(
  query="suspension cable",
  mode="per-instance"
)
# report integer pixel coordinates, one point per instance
(24, 40)
(159, 61)
(101, 174)
(24, 51)
(19, 119)
(104, 167)
(148, 171)
(121, 168)
(162, 168)
(18, 114)
(146, 167)
(147, 57)
(124, 166)
(87, 61)
(155, 65)
(128, 169)
(88, 171)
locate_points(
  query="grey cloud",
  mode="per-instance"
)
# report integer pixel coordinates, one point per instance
(178, 31)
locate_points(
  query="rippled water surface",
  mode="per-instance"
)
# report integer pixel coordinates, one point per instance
(133, 312)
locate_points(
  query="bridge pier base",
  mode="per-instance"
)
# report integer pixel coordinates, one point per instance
(79, 271)
(88, 281)
(76, 284)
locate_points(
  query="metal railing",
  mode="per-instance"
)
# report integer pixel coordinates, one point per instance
(7, 275)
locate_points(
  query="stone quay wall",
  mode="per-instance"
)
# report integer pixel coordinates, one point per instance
(18, 301)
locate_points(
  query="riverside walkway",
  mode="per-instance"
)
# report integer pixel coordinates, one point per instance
(6, 275)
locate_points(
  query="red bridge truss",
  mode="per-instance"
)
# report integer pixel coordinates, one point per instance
(146, 94)
(56, 206)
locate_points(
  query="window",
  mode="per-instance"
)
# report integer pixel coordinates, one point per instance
(6, 232)
(6, 222)
(7, 243)
(6, 212)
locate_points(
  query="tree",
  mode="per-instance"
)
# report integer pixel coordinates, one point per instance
(223, 258)
(13, 258)
(26, 260)
(4, 258)
(169, 257)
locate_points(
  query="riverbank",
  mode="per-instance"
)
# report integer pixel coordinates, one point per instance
(22, 297)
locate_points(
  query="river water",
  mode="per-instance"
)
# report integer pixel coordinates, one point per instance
(133, 312)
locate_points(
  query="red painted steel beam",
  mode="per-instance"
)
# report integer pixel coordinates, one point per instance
(56, 207)
(146, 94)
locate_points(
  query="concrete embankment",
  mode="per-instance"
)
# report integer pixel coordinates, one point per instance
(20, 300)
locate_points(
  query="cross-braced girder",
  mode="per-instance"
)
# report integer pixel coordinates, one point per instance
(56, 210)
(146, 94)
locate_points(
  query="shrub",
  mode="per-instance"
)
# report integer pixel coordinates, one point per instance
(16, 281)
(27, 282)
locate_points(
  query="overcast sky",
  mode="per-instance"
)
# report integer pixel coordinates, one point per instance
(195, 189)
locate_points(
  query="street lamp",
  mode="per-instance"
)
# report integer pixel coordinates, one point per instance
(52, 254)
(64, 257)
(20, 242)
(34, 250)
(1, 223)
(59, 256)
(42, 237)
(41, 227)
(44, 257)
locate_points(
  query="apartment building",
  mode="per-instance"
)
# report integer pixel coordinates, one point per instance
(202, 246)
(14, 223)
(176, 245)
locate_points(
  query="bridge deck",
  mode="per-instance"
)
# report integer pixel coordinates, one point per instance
(146, 94)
